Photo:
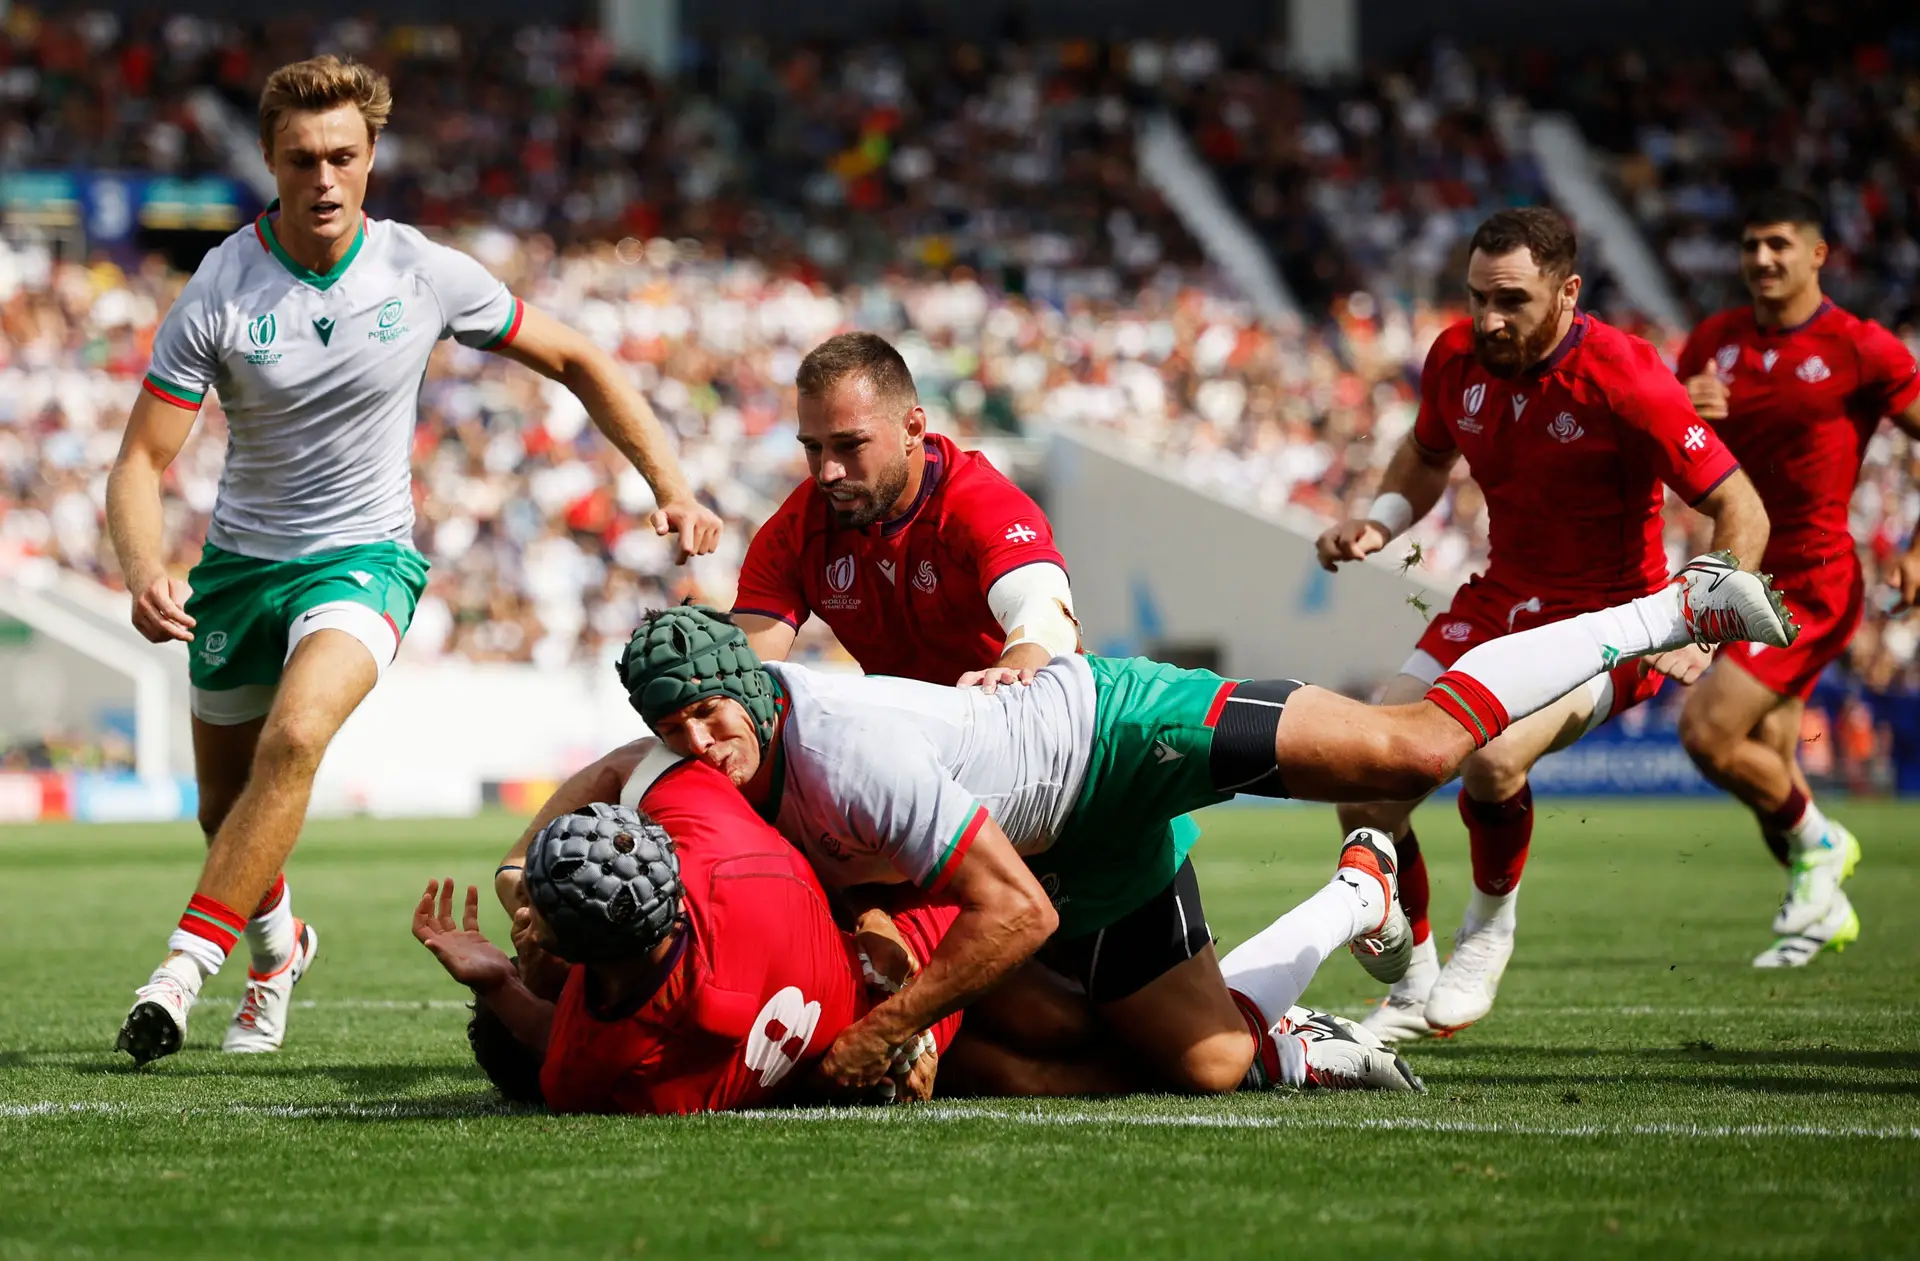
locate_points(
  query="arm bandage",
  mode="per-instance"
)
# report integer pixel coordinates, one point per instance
(1034, 605)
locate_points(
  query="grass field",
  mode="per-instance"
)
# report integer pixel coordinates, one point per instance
(1640, 1090)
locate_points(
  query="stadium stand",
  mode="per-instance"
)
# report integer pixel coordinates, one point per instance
(989, 218)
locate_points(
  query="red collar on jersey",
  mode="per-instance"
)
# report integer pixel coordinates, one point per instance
(1826, 305)
(930, 478)
(1576, 333)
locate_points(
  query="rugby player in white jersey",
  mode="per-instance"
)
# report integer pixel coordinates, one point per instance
(1080, 773)
(314, 324)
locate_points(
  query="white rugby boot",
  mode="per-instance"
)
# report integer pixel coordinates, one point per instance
(1402, 1014)
(260, 1022)
(1465, 988)
(1722, 603)
(1840, 928)
(1384, 950)
(1328, 1052)
(157, 1025)
(1813, 881)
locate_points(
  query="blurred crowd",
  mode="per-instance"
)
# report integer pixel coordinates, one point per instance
(979, 205)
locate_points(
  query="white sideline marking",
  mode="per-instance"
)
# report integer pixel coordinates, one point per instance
(938, 1113)
(1517, 1009)
(941, 1114)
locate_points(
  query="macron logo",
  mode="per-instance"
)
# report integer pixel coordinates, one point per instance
(1022, 533)
(1696, 438)
(362, 579)
(1163, 753)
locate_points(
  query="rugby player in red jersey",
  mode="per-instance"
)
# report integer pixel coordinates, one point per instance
(923, 559)
(1571, 428)
(706, 967)
(1796, 387)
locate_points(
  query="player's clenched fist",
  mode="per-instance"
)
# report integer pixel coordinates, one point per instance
(1708, 394)
(1350, 540)
(160, 610)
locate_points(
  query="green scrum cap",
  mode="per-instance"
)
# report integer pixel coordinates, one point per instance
(686, 654)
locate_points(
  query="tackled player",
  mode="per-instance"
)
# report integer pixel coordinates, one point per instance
(890, 780)
(315, 325)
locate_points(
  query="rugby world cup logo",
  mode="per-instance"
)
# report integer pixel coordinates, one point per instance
(840, 574)
(1473, 397)
(1724, 360)
(261, 328)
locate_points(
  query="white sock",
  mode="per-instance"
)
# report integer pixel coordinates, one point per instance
(1274, 966)
(196, 960)
(1531, 669)
(271, 937)
(1810, 832)
(1494, 909)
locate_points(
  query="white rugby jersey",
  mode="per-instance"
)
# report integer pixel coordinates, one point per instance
(320, 376)
(886, 780)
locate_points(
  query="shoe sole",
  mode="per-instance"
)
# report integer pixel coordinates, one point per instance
(148, 1034)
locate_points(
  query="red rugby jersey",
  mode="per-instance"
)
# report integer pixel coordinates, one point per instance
(905, 597)
(1571, 456)
(762, 985)
(1803, 403)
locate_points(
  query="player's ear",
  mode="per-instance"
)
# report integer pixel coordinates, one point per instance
(1819, 252)
(916, 425)
(1570, 292)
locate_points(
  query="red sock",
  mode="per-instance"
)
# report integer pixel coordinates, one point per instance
(1265, 1069)
(1498, 833)
(1775, 838)
(1470, 705)
(273, 896)
(1414, 894)
(215, 921)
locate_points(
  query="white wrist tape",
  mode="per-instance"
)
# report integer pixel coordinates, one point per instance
(1392, 511)
(1037, 602)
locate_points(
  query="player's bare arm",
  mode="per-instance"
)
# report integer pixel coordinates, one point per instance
(155, 433)
(1004, 917)
(601, 780)
(1413, 483)
(1739, 519)
(1739, 526)
(478, 964)
(620, 412)
(1903, 571)
(770, 638)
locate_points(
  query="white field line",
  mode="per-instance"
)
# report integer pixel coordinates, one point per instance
(945, 1114)
(1788, 1011)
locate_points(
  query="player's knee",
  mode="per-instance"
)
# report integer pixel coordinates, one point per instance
(1216, 1067)
(1494, 773)
(294, 740)
(1704, 742)
(1406, 766)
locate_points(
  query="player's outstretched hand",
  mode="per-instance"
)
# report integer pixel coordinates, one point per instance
(464, 952)
(160, 611)
(1354, 539)
(696, 525)
(1682, 665)
(1708, 394)
(989, 679)
(1903, 581)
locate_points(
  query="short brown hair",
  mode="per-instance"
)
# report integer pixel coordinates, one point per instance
(322, 83)
(856, 354)
(1542, 232)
